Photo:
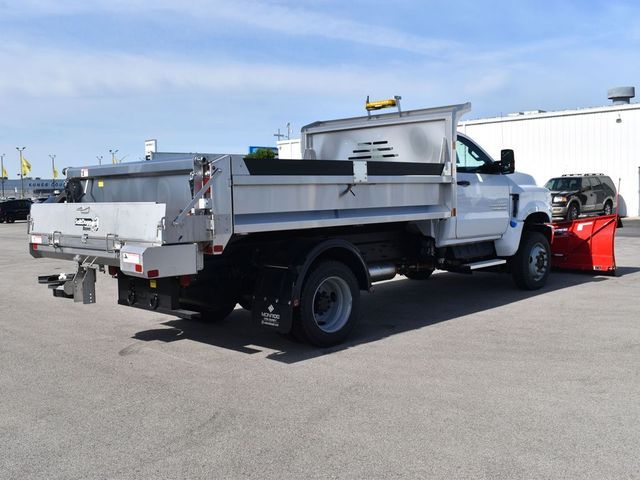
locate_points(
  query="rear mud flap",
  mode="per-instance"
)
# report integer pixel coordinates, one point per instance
(585, 244)
(272, 305)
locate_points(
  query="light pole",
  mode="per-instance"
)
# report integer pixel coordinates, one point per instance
(99, 157)
(2, 171)
(113, 155)
(20, 150)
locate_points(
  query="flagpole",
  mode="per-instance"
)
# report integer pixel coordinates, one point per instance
(53, 165)
(21, 174)
(2, 172)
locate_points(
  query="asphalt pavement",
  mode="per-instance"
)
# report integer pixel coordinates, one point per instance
(456, 377)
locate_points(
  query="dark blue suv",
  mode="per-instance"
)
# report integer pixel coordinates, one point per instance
(12, 210)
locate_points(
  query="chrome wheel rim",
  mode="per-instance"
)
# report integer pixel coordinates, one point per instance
(538, 262)
(332, 302)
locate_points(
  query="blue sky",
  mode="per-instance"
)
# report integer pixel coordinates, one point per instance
(78, 77)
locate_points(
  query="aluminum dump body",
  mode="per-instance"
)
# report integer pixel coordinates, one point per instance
(366, 170)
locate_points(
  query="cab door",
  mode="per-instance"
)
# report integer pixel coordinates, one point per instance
(483, 197)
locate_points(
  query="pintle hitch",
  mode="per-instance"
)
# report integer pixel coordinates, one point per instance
(81, 286)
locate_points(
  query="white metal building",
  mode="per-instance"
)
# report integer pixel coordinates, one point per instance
(589, 140)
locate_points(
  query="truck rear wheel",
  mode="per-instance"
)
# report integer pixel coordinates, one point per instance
(531, 264)
(329, 305)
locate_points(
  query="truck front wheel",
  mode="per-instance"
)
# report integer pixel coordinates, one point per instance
(329, 305)
(531, 264)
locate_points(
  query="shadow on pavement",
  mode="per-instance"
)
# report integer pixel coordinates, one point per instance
(395, 307)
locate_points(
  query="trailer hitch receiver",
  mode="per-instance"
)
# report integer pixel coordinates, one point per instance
(81, 286)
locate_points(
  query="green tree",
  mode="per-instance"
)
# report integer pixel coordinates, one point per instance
(264, 153)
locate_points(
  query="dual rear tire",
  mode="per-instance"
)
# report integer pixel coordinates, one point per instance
(329, 305)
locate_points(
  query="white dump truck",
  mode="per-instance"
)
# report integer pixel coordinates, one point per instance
(295, 241)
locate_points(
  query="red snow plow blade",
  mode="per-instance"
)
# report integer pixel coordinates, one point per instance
(585, 244)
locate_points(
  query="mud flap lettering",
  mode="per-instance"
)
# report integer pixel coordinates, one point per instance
(272, 307)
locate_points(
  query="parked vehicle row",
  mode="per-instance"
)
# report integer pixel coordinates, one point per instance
(12, 210)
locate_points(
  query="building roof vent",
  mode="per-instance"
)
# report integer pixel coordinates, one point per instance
(621, 95)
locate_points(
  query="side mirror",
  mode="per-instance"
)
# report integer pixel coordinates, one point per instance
(507, 161)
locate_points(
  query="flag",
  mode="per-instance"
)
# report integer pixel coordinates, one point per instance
(55, 172)
(114, 160)
(26, 166)
(4, 172)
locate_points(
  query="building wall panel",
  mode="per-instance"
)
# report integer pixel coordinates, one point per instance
(599, 140)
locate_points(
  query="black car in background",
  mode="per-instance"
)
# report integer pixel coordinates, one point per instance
(12, 210)
(572, 195)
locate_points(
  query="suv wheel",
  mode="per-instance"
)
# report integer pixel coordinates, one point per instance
(608, 208)
(573, 212)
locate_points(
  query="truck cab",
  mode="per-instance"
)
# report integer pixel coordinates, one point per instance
(492, 198)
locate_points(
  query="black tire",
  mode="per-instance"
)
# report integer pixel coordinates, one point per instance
(419, 275)
(212, 315)
(1, 219)
(329, 305)
(573, 211)
(608, 208)
(531, 264)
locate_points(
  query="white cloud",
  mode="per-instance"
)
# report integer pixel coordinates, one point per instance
(46, 72)
(290, 20)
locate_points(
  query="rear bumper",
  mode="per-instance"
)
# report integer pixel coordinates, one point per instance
(144, 261)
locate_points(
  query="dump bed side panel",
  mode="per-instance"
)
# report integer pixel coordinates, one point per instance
(378, 169)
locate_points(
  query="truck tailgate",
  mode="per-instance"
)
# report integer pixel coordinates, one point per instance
(138, 222)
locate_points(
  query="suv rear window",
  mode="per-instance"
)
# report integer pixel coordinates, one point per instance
(609, 185)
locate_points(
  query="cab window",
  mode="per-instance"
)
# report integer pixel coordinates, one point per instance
(469, 158)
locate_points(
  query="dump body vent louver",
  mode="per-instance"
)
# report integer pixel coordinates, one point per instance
(373, 150)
